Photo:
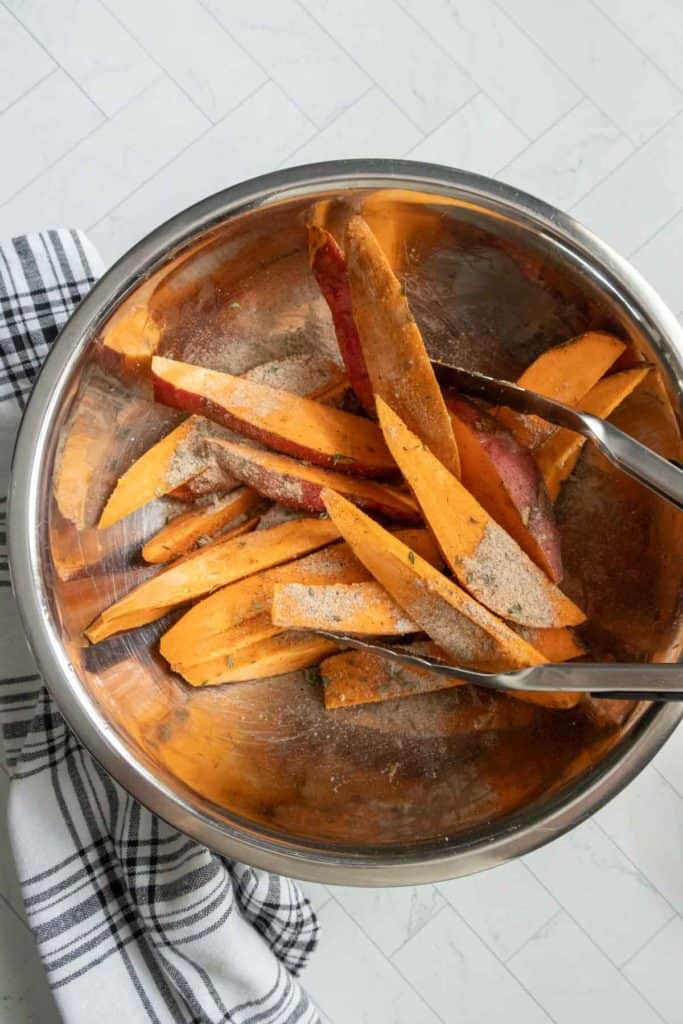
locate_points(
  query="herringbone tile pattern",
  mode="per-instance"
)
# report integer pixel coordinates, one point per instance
(116, 114)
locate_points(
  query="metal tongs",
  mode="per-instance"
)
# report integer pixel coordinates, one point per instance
(662, 476)
(663, 682)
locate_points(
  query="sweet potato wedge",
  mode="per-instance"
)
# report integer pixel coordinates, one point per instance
(213, 566)
(298, 485)
(464, 629)
(360, 677)
(172, 461)
(483, 557)
(394, 352)
(557, 456)
(274, 656)
(130, 339)
(554, 644)
(361, 608)
(567, 373)
(505, 480)
(304, 374)
(297, 426)
(329, 269)
(206, 630)
(183, 532)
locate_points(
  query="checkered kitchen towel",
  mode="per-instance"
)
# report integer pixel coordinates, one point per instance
(134, 922)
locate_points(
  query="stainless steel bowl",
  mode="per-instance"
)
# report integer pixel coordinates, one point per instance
(259, 771)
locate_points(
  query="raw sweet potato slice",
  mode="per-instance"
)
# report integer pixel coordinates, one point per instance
(329, 268)
(298, 485)
(361, 608)
(567, 373)
(183, 532)
(464, 629)
(558, 455)
(554, 644)
(205, 630)
(130, 339)
(163, 467)
(483, 557)
(213, 566)
(297, 426)
(361, 677)
(395, 355)
(505, 480)
(286, 652)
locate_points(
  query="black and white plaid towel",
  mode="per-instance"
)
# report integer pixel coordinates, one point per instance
(134, 921)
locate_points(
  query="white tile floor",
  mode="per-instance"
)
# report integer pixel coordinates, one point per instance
(115, 115)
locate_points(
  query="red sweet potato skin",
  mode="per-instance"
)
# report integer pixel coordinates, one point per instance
(511, 487)
(329, 268)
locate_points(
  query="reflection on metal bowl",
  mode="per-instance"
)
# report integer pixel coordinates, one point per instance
(406, 791)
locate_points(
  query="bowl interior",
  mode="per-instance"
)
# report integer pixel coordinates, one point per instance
(265, 758)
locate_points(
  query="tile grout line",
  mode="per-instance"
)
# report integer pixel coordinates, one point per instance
(374, 81)
(595, 945)
(567, 75)
(550, 128)
(55, 62)
(661, 774)
(319, 131)
(388, 959)
(674, 917)
(164, 70)
(444, 906)
(637, 148)
(176, 156)
(269, 77)
(636, 45)
(83, 138)
(27, 92)
(464, 71)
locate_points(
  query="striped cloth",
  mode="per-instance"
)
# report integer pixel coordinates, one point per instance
(134, 921)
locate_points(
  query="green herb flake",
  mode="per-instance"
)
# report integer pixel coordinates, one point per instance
(411, 557)
(338, 457)
(230, 661)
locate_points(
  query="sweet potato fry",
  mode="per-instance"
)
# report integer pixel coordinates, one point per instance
(274, 656)
(130, 339)
(505, 480)
(464, 629)
(566, 373)
(395, 355)
(169, 463)
(329, 268)
(554, 644)
(205, 631)
(298, 485)
(482, 556)
(361, 608)
(288, 423)
(361, 677)
(213, 566)
(183, 532)
(557, 456)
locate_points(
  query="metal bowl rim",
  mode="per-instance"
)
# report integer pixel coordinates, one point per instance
(509, 838)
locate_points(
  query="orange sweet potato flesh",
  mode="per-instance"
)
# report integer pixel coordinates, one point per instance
(207, 629)
(566, 373)
(557, 456)
(299, 485)
(360, 608)
(361, 677)
(395, 355)
(469, 634)
(505, 480)
(213, 566)
(183, 532)
(130, 339)
(329, 268)
(297, 426)
(154, 473)
(273, 656)
(483, 557)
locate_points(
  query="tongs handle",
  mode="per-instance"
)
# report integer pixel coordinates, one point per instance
(662, 476)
